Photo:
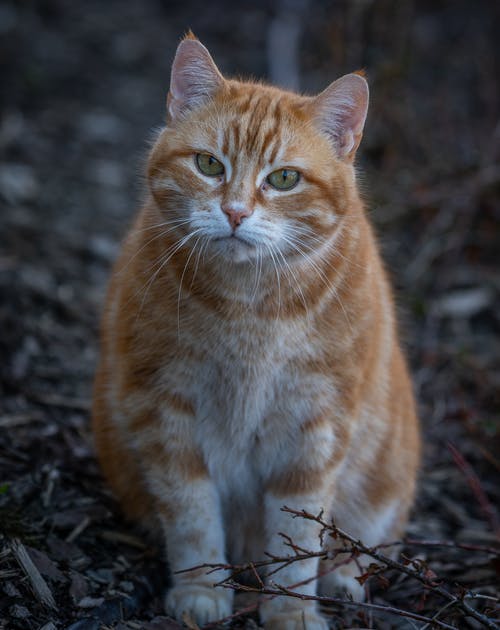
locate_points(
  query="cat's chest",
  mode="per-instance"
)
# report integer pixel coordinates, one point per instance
(251, 397)
(236, 428)
(239, 382)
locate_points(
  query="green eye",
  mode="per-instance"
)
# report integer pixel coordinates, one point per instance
(284, 179)
(208, 165)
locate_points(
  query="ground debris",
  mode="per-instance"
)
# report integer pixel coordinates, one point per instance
(79, 587)
(84, 84)
(38, 584)
(45, 565)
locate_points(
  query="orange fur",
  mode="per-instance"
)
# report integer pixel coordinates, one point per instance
(188, 325)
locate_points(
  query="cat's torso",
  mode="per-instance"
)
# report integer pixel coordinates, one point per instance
(252, 383)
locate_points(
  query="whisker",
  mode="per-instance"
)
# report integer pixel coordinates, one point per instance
(168, 255)
(322, 276)
(290, 273)
(258, 271)
(270, 249)
(180, 287)
(203, 247)
(160, 235)
(295, 230)
(163, 223)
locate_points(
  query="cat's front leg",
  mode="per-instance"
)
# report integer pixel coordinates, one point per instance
(283, 612)
(194, 536)
(188, 508)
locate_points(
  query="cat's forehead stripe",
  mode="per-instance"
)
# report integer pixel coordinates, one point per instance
(253, 126)
(236, 135)
(224, 143)
(272, 140)
(254, 130)
(266, 143)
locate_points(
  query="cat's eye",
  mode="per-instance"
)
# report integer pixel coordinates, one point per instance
(209, 165)
(283, 179)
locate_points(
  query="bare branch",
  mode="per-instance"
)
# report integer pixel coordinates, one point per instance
(413, 568)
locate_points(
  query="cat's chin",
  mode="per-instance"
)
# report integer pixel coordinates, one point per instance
(235, 249)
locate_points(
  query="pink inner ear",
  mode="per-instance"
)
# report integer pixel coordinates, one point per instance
(194, 78)
(341, 112)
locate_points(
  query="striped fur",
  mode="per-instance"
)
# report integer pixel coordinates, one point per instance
(245, 370)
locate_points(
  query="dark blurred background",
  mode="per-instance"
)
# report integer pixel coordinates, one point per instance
(82, 86)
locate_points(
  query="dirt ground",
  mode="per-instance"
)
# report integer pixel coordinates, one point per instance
(82, 86)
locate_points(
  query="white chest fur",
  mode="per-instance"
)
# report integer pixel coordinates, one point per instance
(251, 400)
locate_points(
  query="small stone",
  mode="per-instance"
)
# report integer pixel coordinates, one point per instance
(19, 612)
(101, 576)
(90, 602)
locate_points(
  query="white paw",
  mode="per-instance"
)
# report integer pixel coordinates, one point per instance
(201, 603)
(296, 620)
(337, 583)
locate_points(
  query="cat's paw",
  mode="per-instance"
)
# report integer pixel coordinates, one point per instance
(296, 620)
(337, 583)
(201, 603)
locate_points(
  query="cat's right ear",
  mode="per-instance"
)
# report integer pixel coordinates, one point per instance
(194, 78)
(340, 112)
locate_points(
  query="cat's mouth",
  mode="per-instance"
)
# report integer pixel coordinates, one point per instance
(234, 237)
(235, 247)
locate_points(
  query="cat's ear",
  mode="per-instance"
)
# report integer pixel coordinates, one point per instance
(194, 78)
(340, 112)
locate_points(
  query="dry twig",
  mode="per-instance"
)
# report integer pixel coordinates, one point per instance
(413, 568)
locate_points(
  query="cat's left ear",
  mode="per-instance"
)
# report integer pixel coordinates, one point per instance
(340, 112)
(194, 78)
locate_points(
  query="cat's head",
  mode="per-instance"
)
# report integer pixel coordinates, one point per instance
(252, 172)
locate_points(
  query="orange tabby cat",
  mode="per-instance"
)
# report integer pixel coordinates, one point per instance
(250, 357)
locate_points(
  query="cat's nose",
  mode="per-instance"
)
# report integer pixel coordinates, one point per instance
(235, 215)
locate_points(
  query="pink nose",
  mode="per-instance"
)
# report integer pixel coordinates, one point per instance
(235, 217)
